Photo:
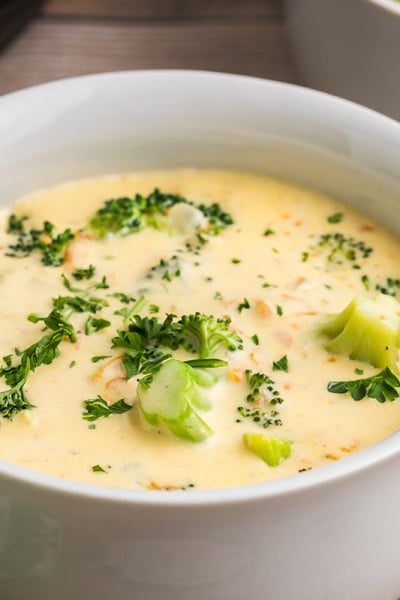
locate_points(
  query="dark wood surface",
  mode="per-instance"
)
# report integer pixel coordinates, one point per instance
(65, 38)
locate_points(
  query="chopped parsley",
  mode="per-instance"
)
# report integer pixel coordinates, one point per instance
(96, 359)
(98, 469)
(268, 232)
(281, 364)
(335, 218)
(129, 313)
(98, 407)
(390, 287)
(48, 241)
(342, 249)
(305, 256)
(123, 298)
(365, 281)
(93, 325)
(88, 273)
(244, 305)
(167, 269)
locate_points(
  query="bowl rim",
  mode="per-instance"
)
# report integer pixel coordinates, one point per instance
(344, 469)
(389, 5)
(369, 458)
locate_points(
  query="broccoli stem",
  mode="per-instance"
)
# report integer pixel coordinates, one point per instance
(167, 400)
(367, 330)
(271, 450)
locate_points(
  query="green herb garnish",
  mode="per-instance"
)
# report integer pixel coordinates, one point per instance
(125, 216)
(244, 305)
(382, 386)
(98, 469)
(281, 364)
(98, 407)
(268, 232)
(88, 273)
(48, 241)
(335, 218)
(93, 325)
(96, 359)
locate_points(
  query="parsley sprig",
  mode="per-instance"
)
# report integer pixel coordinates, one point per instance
(142, 343)
(147, 340)
(16, 368)
(43, 352)
(382, 386)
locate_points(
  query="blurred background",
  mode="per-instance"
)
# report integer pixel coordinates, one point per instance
(349, 48)
(42, 41)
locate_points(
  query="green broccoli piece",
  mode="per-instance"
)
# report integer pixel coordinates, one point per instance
(206, 334)
(169, 399)
(271, 450)
(367, 330)
(125, 216)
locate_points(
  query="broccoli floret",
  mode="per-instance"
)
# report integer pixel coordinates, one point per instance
(129, 215)
(368, 329)
(168, 400)
(262, 387)
(206, 334)
(169, 391)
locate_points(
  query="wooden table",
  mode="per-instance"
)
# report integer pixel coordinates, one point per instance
(73, 37)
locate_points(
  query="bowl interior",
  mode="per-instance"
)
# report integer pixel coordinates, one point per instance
(137, 121)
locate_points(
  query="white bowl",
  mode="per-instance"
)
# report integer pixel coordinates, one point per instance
(331, 533)
(350, 48)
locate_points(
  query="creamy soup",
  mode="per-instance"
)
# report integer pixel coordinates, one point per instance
(261, 263)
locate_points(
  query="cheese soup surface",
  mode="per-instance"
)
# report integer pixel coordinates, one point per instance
(269, 261)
